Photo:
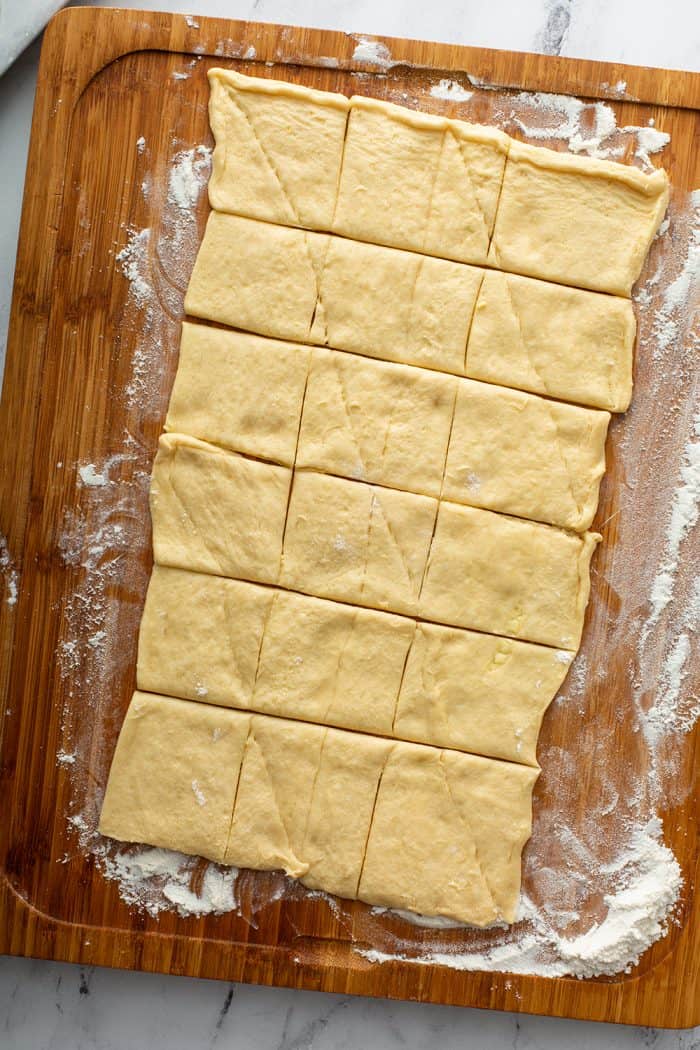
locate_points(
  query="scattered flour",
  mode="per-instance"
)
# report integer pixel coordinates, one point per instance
(153, 879)
(451, 91)
(9, 573)
(373, 53)
(140, 144)
(249, 54)
(198, 793)
(91, 477)
(191, 22)
(188, 175)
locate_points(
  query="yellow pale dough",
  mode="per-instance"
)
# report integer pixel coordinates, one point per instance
(525, 455)
(417, 181)
(324, 805)
(215, 511)
(459, 855)
(377, 422)
(309, 287)
(570, 344)
(278, 149)
(576, 220)
(357, 543)
(240, 645)
(171, 781)
(514, 577)
(477, 692)
(239, 391)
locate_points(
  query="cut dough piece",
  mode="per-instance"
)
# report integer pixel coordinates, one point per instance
(525, 455)
(397, 305)
(357, 543)
(201, 635)
(321, 661)
(454, 849)
(331, 663)
(312, 288)
(278, 149)
(384, 423)
(305, 800)
(259, 277)
(239, 391)
(507, 576)
(418, 181)
(476, 692)
(172, 781)
(341, 810)
(564, 342)
(576, 220)
(215, 511)
(275, 785)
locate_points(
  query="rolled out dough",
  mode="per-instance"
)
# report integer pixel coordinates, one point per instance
(324, 805)
(256, 648)
(383, 302)
(371, 575)
(576, 220)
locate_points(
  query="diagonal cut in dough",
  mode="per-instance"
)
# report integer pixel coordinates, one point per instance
(563, 342)
(414, 180)
(241, 645)
(278, 149)
(576, 220)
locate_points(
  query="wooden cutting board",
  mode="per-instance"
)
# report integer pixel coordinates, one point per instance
(89, 368)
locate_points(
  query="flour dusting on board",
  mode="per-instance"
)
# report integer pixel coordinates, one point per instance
(598, 889)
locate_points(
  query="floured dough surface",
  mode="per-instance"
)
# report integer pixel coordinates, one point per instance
(372, 506)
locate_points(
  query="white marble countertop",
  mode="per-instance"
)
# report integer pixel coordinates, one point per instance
(62, 1007)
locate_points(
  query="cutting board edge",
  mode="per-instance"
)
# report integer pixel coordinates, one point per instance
(25, 930)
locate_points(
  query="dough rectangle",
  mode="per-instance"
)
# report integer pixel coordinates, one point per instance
(172, 782)
(576, 220)
(357, 543)
(525, 455)
(240, 391)
(418, 181)
(216, 511)
(516, 578)
(278, 149)
(564, 342)
(383, 423)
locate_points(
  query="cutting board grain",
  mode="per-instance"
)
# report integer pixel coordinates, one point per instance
(106, 78)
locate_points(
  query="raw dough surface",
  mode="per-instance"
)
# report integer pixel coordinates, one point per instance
(371, 573)
(240, 645)
(239, 391)
(582, 222)
(216, 511)
(323, 805)
(417, 181)
(278, 149)
(382, 302)
(563, 342)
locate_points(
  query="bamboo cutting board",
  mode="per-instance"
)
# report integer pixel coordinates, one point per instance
(89, 368)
